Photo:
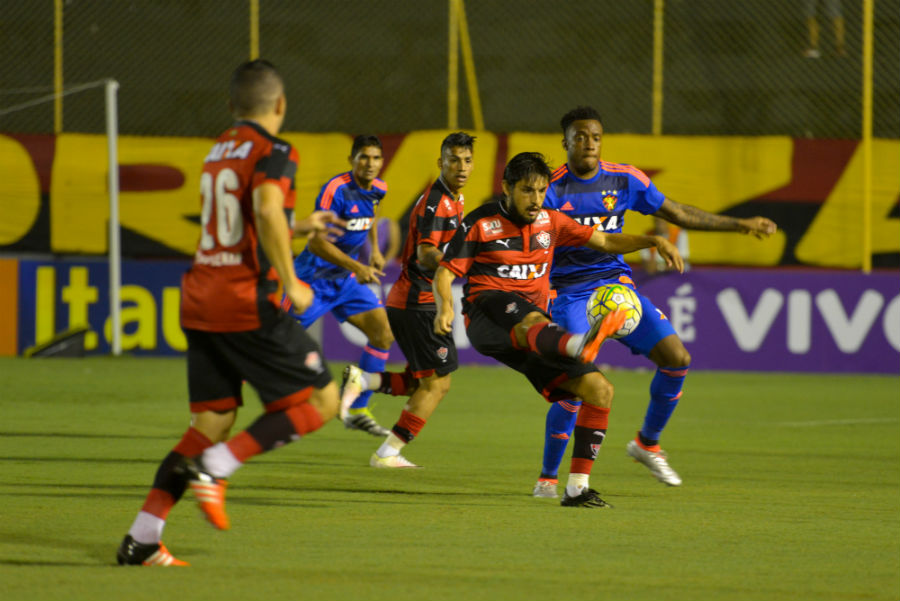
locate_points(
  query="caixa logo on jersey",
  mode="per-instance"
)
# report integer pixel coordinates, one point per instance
(360, 224)
(528, 271)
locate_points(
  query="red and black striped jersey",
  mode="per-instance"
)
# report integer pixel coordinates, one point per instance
(231, 278)
(433, 220)
(495, 253)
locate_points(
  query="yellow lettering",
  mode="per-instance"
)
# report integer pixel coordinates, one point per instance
(171, 319)
(78, 295)
(45, 305)
(142, 314)
(21, 191)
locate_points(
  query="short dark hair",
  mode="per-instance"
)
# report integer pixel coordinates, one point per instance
(460, 138)
(526, 165)
(362, 141)
(255, 85)
(579, 113)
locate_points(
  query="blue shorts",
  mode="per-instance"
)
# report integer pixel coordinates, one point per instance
(344, 297)
(568, 310)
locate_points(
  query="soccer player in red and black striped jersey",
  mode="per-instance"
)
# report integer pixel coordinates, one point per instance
(431, 357)
(230, 312)
(505, 250)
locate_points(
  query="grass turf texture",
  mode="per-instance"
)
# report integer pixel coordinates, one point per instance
(791, 491)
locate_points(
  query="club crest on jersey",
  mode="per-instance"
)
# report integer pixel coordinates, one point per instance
(512, 308)
(492, 227)
(543, 238)
(442, 353)
(609, 201)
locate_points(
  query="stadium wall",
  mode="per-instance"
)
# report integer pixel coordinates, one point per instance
(54, 189)
(794, 319)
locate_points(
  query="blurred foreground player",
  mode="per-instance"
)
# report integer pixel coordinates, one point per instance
(235, 328)
(505, 250)
(599, 193)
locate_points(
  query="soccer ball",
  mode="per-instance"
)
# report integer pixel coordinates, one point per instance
(609, 297)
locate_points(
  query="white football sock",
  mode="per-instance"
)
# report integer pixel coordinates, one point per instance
(577, 484)
(391, 446)
(219, 461)
(147, 528)
(573, 344)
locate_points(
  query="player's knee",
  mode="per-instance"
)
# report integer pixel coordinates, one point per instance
(326, 401)
(436, 385)
(681, 358)
(600, 391)
(383, 339)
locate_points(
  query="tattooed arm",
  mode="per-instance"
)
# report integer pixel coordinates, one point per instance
(692, 218)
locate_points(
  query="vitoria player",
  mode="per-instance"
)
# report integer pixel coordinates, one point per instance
(505, 249)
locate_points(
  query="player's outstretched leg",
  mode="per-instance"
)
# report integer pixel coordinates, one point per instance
(600, 331)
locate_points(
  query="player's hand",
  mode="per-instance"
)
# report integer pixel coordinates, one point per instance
(758, 226)
(320, 223)
(377, 259)
(367, 274)
(300, 295)
(669, 254)
(443, 322)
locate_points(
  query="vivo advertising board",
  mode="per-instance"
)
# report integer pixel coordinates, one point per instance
(757, 319)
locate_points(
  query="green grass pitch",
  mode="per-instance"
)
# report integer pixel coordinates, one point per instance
(791, 491)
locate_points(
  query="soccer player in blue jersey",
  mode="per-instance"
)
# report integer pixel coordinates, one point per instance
(339, 279)
(599, 193)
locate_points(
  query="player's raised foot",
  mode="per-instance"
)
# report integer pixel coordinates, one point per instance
(133, 553)
(362, 419)
(546, 489)
(588, 498)
(600, 331)
(394, 461)
(208, 490)
(351, 388)
(655, 461)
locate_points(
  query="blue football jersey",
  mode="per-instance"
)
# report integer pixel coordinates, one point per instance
(357, 207)
(600, 202)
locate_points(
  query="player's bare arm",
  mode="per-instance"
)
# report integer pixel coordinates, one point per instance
(693, 218)
(621, 244)
(268, 204)
(365, 274)
(429, 256)
(376, 259)
(320, 224)
(443, 298)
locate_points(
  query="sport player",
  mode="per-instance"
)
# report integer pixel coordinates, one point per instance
(338, 277)
(599, 193)
(230, 313)
(410, 307)
(505, 249)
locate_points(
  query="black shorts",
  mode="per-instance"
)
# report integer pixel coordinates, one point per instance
(426, 352)
(280, 360)
(495, 340)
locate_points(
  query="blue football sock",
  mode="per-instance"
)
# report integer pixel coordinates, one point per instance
(373, 360)
(560, 423)
(665, 390)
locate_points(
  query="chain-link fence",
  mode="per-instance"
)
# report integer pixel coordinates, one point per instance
(727, 67)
